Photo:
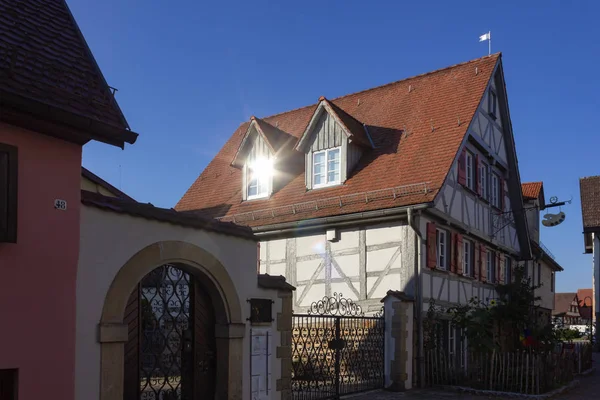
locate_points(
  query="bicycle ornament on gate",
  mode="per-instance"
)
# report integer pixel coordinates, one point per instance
(336, 350)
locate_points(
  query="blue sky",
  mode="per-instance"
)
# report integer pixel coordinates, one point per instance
(189, 72)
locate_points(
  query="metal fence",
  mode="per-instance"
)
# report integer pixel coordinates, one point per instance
(336, 350)
(524, 372)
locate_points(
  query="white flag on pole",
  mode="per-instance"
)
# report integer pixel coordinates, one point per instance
(487, 36)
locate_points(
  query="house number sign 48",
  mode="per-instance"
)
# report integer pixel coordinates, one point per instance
(60, 204)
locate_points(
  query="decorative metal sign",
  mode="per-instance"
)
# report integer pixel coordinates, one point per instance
(336, 305)
(260, 310)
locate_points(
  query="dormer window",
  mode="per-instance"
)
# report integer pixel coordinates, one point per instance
(260, 175)
(333, 143)
(326, 167)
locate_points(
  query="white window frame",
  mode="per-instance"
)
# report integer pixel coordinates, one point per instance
(441, 249)
(326, 168)
(469, 172)
(261, 182)
(467, 266)
(495, 190)
(491, 255)
(483, 180)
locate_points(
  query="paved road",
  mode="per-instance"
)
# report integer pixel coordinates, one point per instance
(588, 389)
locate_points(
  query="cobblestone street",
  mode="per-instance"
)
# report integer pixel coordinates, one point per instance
(589, 388)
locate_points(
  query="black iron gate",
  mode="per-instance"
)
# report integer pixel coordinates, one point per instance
(336, 350)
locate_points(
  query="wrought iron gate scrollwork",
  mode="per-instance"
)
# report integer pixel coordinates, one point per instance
(336, 350)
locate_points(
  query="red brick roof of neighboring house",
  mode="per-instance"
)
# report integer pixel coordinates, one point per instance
(148, 211)
(532, 190)
(417, 126)
(562, 302)
(585, 297)
(48, 71)
(590, 202)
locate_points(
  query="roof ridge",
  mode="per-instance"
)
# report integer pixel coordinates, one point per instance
(421, 75)
(497, 55)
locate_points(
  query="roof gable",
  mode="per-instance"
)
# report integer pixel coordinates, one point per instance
(47, 71)
(414, 129)
(562, 302)
(276, 140)
(352, 128)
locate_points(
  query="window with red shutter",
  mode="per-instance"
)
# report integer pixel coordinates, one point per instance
(8, 193)
(431, 245)
(453, 252)
(482, 263)
(459, 253)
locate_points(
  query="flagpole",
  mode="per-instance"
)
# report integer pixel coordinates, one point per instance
(489, 43)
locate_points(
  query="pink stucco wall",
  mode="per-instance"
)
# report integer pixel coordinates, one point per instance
(38, 273)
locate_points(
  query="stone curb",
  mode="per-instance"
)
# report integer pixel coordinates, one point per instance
(493, 393)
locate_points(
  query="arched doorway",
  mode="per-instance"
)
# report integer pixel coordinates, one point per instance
(212, 275)
(170, 353)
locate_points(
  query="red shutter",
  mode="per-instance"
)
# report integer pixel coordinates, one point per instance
(452, 252)
(497, 280)
(502, 271)
(459, 253)
(431, 245)
(502, 195)
(476, 174)
(476, 261)
(482, 263)
(462, 172)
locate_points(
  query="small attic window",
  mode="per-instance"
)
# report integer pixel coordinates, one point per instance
(326, 167)
(260, 175)
(492, 102)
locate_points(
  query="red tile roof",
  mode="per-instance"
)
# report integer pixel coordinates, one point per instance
(416, 124)
(562, 302)
(532, 190)
(590, 202)
(45, 58)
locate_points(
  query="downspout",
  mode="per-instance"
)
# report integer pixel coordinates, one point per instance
(418, 295)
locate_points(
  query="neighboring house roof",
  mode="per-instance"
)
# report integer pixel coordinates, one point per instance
(562, 302)
(417, 126)
(48, 73)
(148, 211)
(532, 190)
(586, 298)
(590, 202)
(86, 173)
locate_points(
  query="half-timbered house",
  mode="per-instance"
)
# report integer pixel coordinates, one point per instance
(411, 186)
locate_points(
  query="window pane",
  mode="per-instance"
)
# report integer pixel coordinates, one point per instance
(319, 157)
(333, 155)
(253, 188)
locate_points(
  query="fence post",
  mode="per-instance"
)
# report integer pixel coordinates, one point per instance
(398, 312)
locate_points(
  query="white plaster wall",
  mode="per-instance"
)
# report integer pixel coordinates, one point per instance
(109, 240)
(362, 263)
(545, 292)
